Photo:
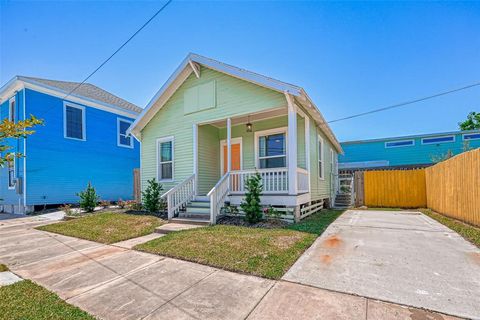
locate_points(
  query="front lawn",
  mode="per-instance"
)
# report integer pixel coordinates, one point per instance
(467, 231)
(26, 300)
(264, 252)
(108, 227)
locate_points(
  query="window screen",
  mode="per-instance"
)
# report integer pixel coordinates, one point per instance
(74, 123)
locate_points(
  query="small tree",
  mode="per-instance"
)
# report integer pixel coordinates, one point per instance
(472, 122)
(151, 196)
(88, 198)
(251, 205)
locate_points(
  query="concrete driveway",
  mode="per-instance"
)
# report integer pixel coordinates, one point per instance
(111, 282)
(396, 256)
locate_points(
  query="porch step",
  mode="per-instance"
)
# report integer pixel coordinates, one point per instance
(192, 220)
(198, 210)
(199, 204)
(202, 198)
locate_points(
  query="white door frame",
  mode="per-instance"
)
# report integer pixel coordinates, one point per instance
(223, 143)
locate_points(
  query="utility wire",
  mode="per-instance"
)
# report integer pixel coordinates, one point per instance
(397, 105)
(120, 48)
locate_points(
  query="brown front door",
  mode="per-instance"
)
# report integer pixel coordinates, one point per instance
(235, 157)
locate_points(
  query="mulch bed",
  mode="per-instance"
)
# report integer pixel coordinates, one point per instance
(239, 221)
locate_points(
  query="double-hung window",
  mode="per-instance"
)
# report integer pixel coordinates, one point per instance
(74, 121)
(11, 109)
(272, 151)
(11, 171)
(321, 161)
(124, 139)
(165, 158)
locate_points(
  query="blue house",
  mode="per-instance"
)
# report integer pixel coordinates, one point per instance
(406, 152)
(83, 139)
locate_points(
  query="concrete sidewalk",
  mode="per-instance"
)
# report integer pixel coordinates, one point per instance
(112, 282)
(397, 256)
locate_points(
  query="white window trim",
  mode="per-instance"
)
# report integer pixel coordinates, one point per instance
(84, 124)
(11, 102)
(12, 187)
(467, 134)
(223, 143)
(321, 173)
(269, 132)
(396, 141)
(449, 136)
(126, 135)
(161, 140)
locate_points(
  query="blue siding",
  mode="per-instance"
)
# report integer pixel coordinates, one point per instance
(408, 155)
(10, 196)
(58, 168)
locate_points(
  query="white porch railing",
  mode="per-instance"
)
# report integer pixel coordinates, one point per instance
(217, 196)
(179, 195)
(273, 180)
(302, 180)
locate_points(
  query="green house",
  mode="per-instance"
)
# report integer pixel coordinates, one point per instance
(213, 125)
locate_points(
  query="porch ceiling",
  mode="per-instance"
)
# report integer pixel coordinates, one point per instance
(282, 111)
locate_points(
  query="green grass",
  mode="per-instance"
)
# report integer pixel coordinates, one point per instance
(316, 223)
(263, 252)
(108, 227)
(3, 268)
(26, 300)
(467, 231)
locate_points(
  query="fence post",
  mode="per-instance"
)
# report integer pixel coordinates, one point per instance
(136, 185)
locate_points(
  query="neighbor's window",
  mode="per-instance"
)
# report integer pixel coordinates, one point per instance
(399, 143)
(11, 171)
(272, 151)
(471, 136)
(74, 122)
(11, 110)
(435, 140)
(124, 139)
(165, 159)
(321, 169)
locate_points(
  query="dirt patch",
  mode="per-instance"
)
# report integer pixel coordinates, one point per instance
(285, 242)
(332, 242)
(475, 257)
(326, 259)
(416, 314)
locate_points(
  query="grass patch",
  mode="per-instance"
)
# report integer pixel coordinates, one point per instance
(3, 268)
(467, 231)
(108, 227)
(26, 300)
(316, 223)
(264, 252)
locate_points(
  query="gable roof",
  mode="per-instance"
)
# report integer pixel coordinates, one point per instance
(189, 65)
(84, 91)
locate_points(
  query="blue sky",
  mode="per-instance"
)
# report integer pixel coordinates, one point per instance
(350, 57)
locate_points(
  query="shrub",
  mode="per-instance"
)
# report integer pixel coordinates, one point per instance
(251, 204)
(67, 208)
(133, 205)
(121, 204)
(151, 196)
(229, 209)
(105, 203)
(88, 198)
(272, 213)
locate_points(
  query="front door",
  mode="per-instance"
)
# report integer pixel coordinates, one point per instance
(236, 159)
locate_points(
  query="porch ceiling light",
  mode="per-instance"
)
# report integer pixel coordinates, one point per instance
(249, 125)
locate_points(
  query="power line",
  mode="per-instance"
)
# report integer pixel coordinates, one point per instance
(405, 103)
(120, 48)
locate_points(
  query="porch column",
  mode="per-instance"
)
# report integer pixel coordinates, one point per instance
(195, 155)
(292, 146)
(229, 145)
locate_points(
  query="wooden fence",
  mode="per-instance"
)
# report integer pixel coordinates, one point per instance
(136, 185)
(395, 188)
(453, 187)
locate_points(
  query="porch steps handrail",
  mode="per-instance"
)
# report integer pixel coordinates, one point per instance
(218, 195)
(179, 195)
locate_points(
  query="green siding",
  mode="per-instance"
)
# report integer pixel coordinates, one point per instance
(208, 158)
(234, 97)
(301, 160)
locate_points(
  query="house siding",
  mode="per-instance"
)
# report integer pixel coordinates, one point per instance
(208, 158)
(58, 168)
(409, 155)
(234, 97)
